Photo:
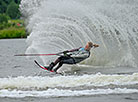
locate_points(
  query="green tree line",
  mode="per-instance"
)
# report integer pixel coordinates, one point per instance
(9, 9)
(11, 26)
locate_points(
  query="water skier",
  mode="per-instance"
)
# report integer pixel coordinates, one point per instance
(72, 57)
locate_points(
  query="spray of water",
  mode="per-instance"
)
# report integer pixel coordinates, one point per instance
(57, 25)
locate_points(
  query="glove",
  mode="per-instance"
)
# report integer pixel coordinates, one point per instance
(65, 52)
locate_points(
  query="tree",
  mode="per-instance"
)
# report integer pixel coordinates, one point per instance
(3, 7)
(17, 1)
(3, 18)
(7, 1)
(12, 10)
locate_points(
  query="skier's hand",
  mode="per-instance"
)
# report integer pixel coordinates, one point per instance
(65, 52)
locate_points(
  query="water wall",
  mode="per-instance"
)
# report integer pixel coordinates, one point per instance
(58, 25)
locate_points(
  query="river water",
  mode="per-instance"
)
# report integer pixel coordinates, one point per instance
(21, 80)
(111, 73)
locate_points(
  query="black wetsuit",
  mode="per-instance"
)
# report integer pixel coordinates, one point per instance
(72, 57)
(75, 56)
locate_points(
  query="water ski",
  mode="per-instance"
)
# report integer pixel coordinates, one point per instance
(46, 68)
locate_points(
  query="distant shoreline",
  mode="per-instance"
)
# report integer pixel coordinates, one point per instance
(13, 29)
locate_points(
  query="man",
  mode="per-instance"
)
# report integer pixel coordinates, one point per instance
(73, 56)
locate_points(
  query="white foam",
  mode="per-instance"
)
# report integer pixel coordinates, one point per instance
(58, 25)
(58, 93)
(39, 82)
